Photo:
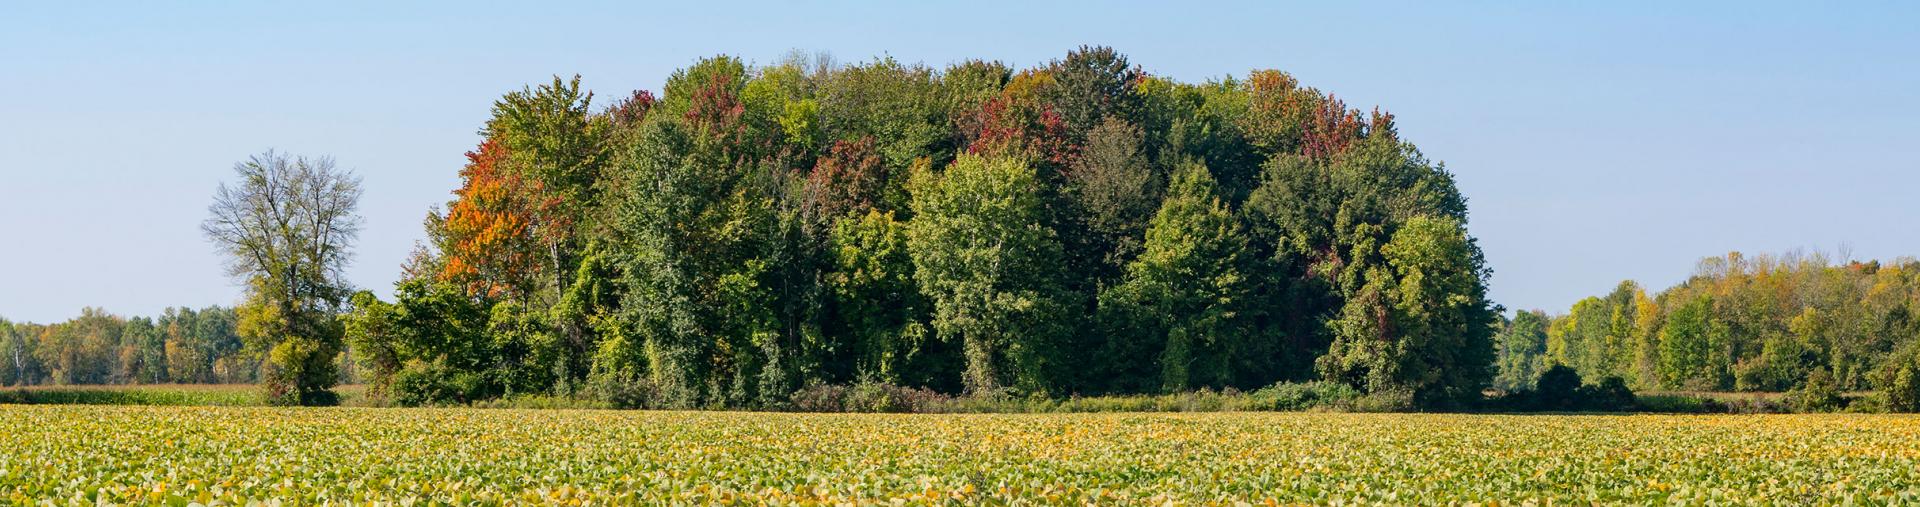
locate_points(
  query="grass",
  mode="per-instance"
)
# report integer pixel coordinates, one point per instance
(177, 455)
(223, 395)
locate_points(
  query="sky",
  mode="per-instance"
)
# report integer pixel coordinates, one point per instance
(1596, 141)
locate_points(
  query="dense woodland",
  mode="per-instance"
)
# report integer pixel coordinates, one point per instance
(1760, 323)
(1079, 228)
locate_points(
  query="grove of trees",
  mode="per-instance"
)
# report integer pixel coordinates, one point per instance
(1741, 323)
(1081, 227)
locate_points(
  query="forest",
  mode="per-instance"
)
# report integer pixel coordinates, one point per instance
(1080, 228)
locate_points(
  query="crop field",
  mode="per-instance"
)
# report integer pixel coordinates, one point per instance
(178, 455)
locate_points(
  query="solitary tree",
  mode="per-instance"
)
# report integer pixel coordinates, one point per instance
(288, 226)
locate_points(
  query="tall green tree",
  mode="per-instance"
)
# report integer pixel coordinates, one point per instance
(1692, 347)
(698, 218)
(1422, 324)
(985, 258)
(1187, 300)
(1522, 351)
(288, 227)
(876, 298)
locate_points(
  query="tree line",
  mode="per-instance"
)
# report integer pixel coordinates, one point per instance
(1082, 227)
(1078, 228)
(1739, 323)
(182, 345)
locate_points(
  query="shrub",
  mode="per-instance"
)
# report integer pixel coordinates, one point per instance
(1610, 395)
(1817, 394)
(820, 398)
(428, 384)
(1559, 389)
(1395, 400)
(624, 391)
(1304, 396)
(1902, 390)
(869, 397)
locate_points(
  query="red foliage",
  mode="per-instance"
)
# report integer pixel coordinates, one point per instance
(1330, 129)
(1006, 126)
(716, 108)
(633, 110)
(851, 177)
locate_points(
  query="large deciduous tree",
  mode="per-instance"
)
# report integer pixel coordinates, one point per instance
(288, 226)
(1187, 301)
(986, 258)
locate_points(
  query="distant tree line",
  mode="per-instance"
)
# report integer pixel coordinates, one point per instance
(1740, 323)
(182, 345)
(1078, 228)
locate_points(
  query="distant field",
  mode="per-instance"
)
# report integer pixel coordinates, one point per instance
(176, 455)
(228, 395)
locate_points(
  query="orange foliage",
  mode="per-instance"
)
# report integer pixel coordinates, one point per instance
(492, 243)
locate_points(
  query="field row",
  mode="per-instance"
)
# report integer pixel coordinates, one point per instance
(88, 454)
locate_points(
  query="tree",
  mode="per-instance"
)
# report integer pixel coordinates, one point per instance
(84, 350)
(1691, 347)
(288, 227)
(1187, 300)
(492, 243)
(696, 215)
(1092, 84)
(1522, 350)
(143, 352)
(875, 296)
(984, 256)
(14, 351)
(1115, 189)
(1902, 390)
(1441, 293)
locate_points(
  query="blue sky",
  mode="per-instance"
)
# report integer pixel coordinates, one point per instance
(1597, 141)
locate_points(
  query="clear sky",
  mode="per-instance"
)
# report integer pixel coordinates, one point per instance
(1596, 141)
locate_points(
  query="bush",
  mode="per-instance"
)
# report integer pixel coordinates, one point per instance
(1305, 396)
(624, 391)
(1560, 389)
(1675, 404)
(1817, 394)
(1397, 400)
(1610, 395)
(429, 384)
(1901, 390)
(868, 397)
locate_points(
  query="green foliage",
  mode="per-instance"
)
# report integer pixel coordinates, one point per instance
(1901, 389)
(288, 226)
(1115, 189)
(1078, 228)
(1522, 348)
(1187, 299)
(985, 258)
(875, 296)
(1817, 394)
(1693, 347)
(1560, 389)
(1754, 324)
(1419, 322)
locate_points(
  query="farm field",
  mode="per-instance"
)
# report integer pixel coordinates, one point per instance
(178, 455)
